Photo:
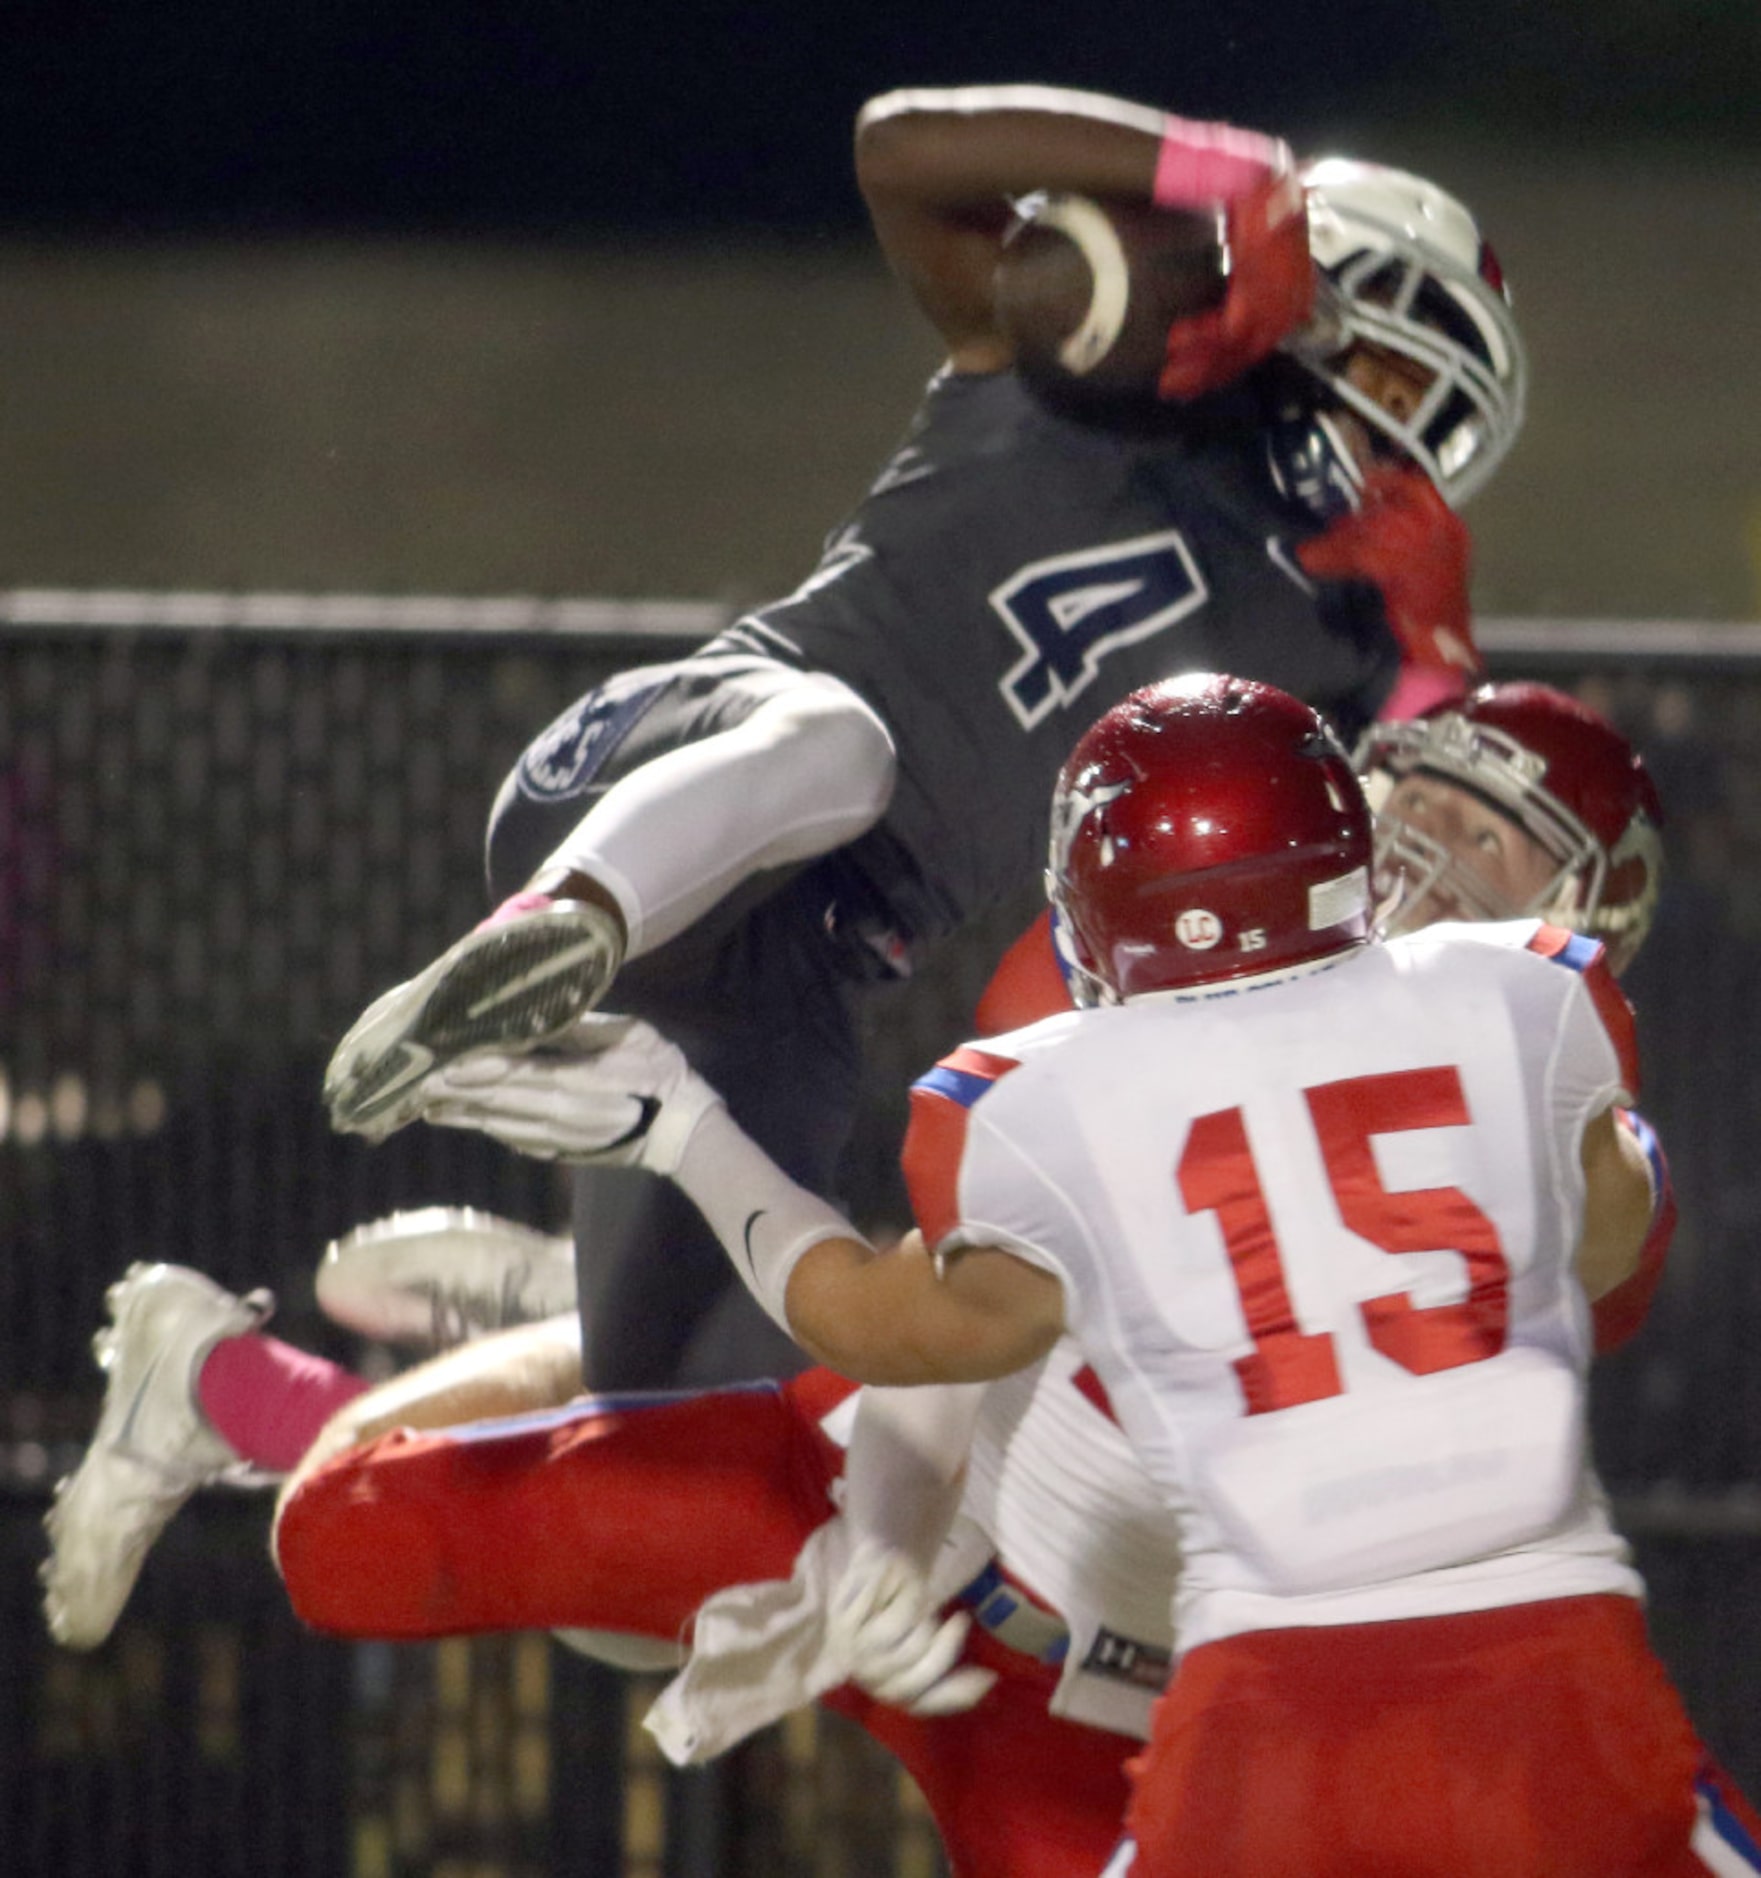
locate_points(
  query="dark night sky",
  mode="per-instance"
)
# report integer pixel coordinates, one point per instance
(246, 116)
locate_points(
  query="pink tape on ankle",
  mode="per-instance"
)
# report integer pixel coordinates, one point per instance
(267, 1400)
(1202, 164)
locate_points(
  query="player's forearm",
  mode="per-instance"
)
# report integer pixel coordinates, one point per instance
(975, 145)
(765, 1221)
(1617, 1206)
(892, 1318)
(875, 1317)
(969, 145)
(1620, 1312)
(906, 1467)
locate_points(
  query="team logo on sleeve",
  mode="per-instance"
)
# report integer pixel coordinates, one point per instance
(564, 759)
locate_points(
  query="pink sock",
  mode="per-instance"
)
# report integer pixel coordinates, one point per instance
(268, 1400)
(526, 901)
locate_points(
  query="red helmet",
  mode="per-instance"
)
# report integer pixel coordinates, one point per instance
(1557, 769)
(1205, 829)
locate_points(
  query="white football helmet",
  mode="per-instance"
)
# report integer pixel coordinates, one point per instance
(1405, 268)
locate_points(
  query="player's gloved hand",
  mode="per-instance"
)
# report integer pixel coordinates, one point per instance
(892, 1641)
(1269, 293)
(612, 1091)
(1405, 540)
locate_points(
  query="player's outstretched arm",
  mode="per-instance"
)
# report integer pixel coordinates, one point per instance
(904, 1477)
(940, 168)
(894, 1318)
(618, 1093)
(905, 1468)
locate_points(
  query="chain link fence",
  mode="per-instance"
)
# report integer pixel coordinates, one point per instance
(226, 822)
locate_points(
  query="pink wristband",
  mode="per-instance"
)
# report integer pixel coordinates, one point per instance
(1417, 688)
(1202, 164)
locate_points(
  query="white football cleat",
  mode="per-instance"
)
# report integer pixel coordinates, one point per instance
(518, 980)
(153, 1446)
(441, 1275)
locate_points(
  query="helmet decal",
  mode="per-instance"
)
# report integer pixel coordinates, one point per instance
(1198, 929)
(1205, 830)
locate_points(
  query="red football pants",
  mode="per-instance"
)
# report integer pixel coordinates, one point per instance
(1539, 1741)
(625, 1514)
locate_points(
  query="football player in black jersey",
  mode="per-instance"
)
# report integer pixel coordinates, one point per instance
(735, 844)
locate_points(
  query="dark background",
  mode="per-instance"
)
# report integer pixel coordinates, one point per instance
(534, 116)
(564, 300)
(445, 296)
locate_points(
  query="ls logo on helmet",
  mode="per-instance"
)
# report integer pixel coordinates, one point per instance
(1072, 808)
(1198, 929)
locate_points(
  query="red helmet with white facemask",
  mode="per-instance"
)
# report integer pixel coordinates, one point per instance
(1556, 769)
(1205, 829)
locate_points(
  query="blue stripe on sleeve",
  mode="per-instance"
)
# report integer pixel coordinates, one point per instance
(958, 1085)
(1725, 1823)
(1577, 952)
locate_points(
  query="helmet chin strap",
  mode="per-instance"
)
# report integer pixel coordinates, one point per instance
(1313, 463)
(1327, 331)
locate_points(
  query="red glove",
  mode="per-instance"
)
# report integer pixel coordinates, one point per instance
(1270, 292)
(1409, 543)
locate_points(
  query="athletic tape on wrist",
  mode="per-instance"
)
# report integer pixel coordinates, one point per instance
(764, 1220)
(1200, 165)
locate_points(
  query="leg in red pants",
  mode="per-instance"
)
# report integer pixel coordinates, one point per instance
(625, 1514)
(1538, 1741)
(1016, 1792)
(613, 1513)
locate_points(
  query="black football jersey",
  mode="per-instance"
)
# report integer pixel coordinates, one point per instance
(1010, 575)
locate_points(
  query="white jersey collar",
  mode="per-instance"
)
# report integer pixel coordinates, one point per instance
(1259, 981)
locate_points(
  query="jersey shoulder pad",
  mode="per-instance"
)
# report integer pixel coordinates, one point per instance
(1579, 953)
(1574, 952)
(935, 1136)
(964, 1076)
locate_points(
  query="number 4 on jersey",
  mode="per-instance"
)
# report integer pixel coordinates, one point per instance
(1070, 611)
(1289, 1366)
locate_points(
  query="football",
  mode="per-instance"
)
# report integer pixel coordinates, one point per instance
(1086, 289)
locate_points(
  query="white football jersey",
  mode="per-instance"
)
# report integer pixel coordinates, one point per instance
(1316, 1239)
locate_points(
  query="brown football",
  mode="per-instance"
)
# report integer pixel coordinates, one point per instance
(1086, 289)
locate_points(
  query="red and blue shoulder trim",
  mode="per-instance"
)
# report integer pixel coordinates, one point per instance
(1585, 956)
(935, 1139)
